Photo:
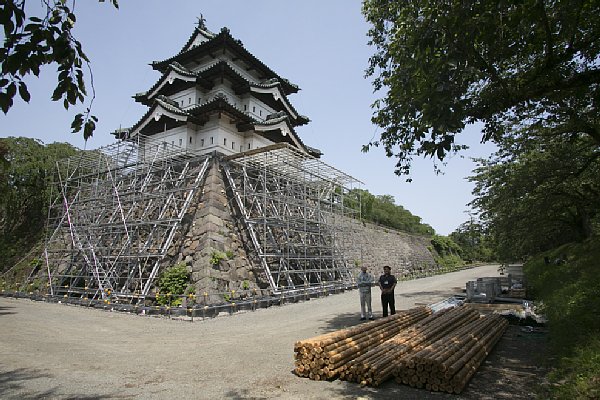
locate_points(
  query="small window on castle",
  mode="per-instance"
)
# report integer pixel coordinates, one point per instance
(260, 112)
(245, 107)
(232, 145)
(253, 109)
(199, 98)
(224, 141)
(212, 140)
(201, 142)
(180, 142)
(248, 146)
(190, 140)
(189, 100)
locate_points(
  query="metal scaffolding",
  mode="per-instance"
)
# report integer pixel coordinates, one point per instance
(120, 207)
(115, 217)
(293, 206)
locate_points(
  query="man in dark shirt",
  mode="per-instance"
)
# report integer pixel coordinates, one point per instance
(387, 283)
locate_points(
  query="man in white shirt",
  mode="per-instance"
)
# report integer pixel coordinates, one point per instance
(364, 281)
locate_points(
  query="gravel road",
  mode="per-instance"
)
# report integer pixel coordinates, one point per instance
(57, 351)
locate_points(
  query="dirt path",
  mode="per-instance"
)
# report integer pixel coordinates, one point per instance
(65, 352)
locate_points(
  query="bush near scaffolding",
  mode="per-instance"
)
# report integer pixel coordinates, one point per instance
(172, 284)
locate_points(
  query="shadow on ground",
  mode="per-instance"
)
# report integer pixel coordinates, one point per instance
(436, 293)
(12, 387)
(341, 321)
(3, 311)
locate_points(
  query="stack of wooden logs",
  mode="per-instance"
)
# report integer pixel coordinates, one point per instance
(438, 352)
(448, 363)
(323, 357)
(379, 363)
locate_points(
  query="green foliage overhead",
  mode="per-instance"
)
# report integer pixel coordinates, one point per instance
(27, 167)
(535, 195)
(439, 66)
(31, 42)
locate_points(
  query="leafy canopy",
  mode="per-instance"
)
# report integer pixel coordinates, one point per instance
(475, 242)
(34, 41)
(535, 195)
(441, 65)
(27, 168)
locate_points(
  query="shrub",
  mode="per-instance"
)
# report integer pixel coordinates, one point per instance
(566, 280)
(172, 284)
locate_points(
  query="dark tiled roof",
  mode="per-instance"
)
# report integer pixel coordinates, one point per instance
(299, 119)
(277, 119)
(220, 104)
(220, 68)
(174, 66)
(225, 40)
(199, 114)
(197, 31)
(164, 102)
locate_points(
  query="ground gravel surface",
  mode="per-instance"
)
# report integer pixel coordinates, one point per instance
(55, 351)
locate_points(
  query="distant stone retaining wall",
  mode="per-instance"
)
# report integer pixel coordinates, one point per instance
(375, 246)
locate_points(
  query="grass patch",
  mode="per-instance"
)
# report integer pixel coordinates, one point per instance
(567, 281)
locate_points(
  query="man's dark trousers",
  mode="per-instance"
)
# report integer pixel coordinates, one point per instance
(388, 299)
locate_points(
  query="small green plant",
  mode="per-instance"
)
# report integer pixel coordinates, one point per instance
(229, 254)
(191, 289)
(216, 257)
(35, 285)
(226, 297)
(172, 284)
(246, 285)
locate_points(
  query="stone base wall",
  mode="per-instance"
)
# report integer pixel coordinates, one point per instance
(212, 245)
(215, 248)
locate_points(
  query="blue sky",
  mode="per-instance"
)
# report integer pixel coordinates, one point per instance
(319, 45)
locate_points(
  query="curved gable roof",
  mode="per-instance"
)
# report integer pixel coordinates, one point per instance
(224, 40)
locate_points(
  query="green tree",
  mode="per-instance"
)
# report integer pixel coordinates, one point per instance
(474, 241)
(26, 174)
(31, 42)
(382, 210)
(449, 253)
(441, 65)
(535, 195)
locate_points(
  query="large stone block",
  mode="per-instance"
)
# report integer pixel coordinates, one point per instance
(208, 227)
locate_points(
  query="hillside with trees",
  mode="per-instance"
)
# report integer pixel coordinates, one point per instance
(529, 72)
(27, 170)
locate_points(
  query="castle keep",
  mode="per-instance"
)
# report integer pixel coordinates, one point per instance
(214, 177)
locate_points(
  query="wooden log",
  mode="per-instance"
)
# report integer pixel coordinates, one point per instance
(460, 380)
(458, 364)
